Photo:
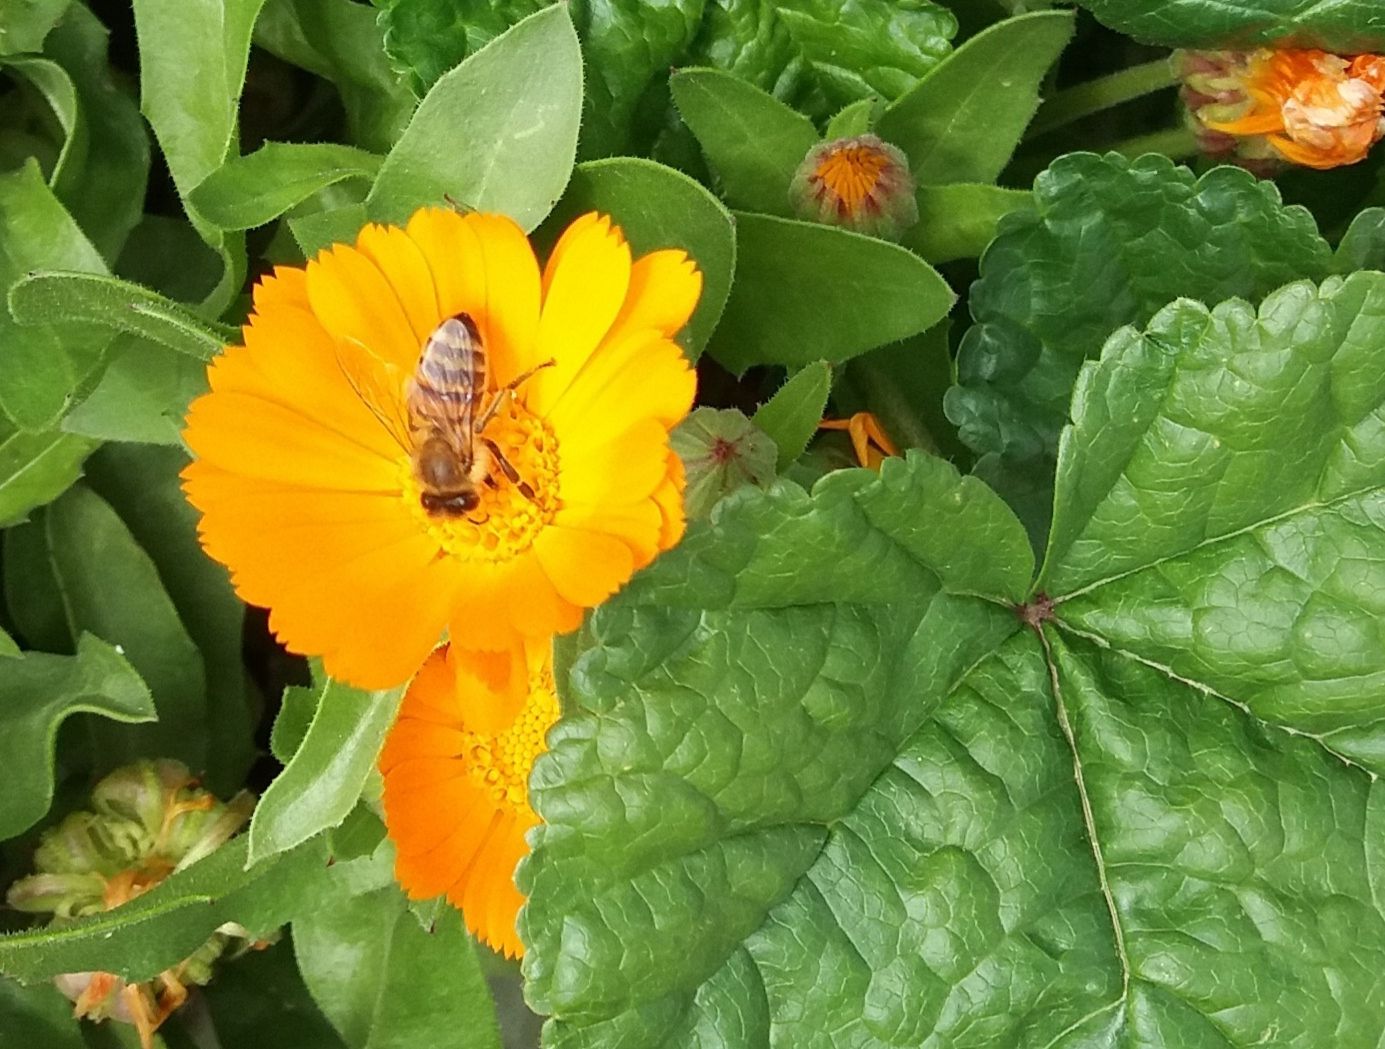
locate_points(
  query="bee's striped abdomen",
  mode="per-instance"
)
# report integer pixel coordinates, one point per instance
(449, 381)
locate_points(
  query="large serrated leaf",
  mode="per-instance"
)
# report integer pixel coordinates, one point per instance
(1346, 26)
(1155, 823)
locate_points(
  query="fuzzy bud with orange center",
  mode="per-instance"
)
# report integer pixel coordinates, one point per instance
(860, 183)
(1307, 107)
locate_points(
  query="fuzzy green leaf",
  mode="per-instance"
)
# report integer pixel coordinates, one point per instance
(753, 141)
(959, 221)
(142, 396)
(24, 23)
(387, 983)
(1157, 822)
(521, 95)
(38, 692)
(658, 207)
(250, 191)
(42, 1014)
(792, 415)
(964, 119)
(1346, 26)
(35, 468)
(321, 782)
(805, 293)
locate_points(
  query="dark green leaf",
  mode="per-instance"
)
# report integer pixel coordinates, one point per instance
(903, 385)
(791, 416)
(142, 485)
(35, 468)
(322, 229)
(1111, 241)
(24, 23)
(251, 191)
(1345, 26)
(1363, 244)
(40, 1015)
(52, 82)
(119, 306)
(521, 95)
(296, 712)
(164, 925)
(38, 692)
(753, 141)
(321, 782)
(658, 207)
(959, 221)
(111, 588)
(386, 983)
(964, 119)
(805, 292)
(142, 396)
(169, 256)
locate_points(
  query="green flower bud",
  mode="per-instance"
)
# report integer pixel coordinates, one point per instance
(721, 450)
(860, 183)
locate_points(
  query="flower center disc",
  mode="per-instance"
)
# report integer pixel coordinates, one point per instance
(500, 765)
(851, 174)
(507, 520)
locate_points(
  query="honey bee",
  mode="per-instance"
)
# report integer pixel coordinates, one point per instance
(444, 429)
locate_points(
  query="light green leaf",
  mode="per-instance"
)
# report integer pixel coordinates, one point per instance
(38, 692)
(161, 927)
(24, 23)
(964, 119)
(321, 782)
(1110, 242)
(753, 141)
(792, 415)
(296, 711)
(1363, 245)
(35, 468)
(518, 101)
(852, 120)
(959, 221)
(142, 485)
(386, 983)
(250, 191)
(805, 293)
(322, 229)
(1345, 26)
(110, 588)
(142, 396)
(657, 207)
(8, 648)
(117, 305)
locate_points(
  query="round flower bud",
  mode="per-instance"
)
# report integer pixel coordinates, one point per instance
(860, 183)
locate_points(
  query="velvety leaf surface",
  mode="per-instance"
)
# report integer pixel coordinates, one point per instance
(792, 415)
(522, 97)
(805, 292)
(1346, 26)
(38, 691)
(385, 982)
(252, 190)
(1158, 824)
(24, 23)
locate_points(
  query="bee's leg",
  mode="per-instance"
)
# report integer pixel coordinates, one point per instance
(507, 390)
(508, 469)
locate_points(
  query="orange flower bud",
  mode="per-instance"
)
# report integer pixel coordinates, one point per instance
(861, 183)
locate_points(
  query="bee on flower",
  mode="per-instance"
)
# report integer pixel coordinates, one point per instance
(1306, 107)
(425, 434)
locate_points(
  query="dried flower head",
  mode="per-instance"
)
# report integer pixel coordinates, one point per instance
(860, 183)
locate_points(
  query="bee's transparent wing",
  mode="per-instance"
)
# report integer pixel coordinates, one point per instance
(380, 385)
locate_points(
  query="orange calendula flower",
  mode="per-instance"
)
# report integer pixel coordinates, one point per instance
(869, 440)
(456, 795)
(861, 183)
(426, 432)
(1311, 108)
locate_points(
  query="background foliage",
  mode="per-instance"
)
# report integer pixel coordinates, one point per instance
(817, 782)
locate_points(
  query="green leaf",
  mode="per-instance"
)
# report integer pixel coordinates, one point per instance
(142, 396)
(792, 415)
(52, 82)
(38, 692)
(106, 193)
(805, 293)
(119, 306)
(521, 96)
(964, 119)
(161, 927)
(25, 23)
(250, 191)
(342, 41)
(1363, 245)
(386, 983)
(753, 141)
(959, 221)
(322, 229)
(42, 1013)
(321, 782)
(143, 486)
(903, 385)
(657, 207)
(8, 648)
(35, 468)
(1346, 26)
(873, 809)
(852, 120)
(110, 588)
(1109, 243)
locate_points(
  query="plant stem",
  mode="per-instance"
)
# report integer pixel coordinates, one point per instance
(1176, 142)
(1092, 97)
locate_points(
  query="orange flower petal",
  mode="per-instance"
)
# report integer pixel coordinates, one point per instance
(664, 289)
(620, 471)
(354, 302)
(642, 375)
(406, 270)
(510, 318)
(586, 567)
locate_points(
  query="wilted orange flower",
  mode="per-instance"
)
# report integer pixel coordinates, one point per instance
(1313, 108)
(310, 470)
(861, 183)
(456, 796)
(869, 440)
